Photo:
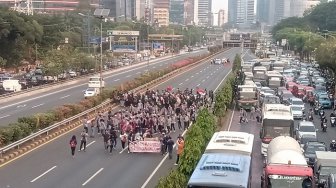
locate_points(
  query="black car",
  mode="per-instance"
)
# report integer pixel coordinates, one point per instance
(309, 151)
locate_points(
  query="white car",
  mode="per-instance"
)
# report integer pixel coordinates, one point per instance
(72, 73)
(218, 61)
(297, 112)
(91, 92)
(305, 128)
(296, 102)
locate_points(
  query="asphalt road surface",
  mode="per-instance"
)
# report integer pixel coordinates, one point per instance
(44, 101)
(51, 165)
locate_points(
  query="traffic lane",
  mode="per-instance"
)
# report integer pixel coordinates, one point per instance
(129, 71)
(70, 96)
(30, 161)
(325, 137)
(251, 127)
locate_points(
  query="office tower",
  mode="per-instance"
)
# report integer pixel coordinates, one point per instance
(241, 12)
(204, 12)
(221, 18)
(176, 11)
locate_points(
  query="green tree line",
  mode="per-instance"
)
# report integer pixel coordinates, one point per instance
(311, 35)
(31, 38)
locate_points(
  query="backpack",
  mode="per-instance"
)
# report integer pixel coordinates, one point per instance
(73, 143)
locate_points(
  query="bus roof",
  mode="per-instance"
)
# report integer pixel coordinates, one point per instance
(231, 142)
(278, 115)
(221, 170)
(274, 74)
(276, 108)
(260, 68)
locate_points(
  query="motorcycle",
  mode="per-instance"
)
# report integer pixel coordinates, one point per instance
(310, 118)
(333, 121)
(316, 110)
(324, 127)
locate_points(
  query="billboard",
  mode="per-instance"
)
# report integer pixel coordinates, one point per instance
(123, 33)
(123, 48)
(158, 46)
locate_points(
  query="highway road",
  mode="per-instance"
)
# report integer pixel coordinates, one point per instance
(52, 166)
(44, 101)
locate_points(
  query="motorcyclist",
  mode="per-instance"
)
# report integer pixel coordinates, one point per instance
(323, 120)
(322, 113)
(333, 145)
(310, 114)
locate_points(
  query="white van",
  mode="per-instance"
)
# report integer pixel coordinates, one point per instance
(11, 85)
(95, 82)
(91, 92)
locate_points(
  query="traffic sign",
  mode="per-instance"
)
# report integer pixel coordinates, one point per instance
(109, 32)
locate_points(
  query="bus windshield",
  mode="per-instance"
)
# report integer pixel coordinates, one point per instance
(280, 181)
(94, 79)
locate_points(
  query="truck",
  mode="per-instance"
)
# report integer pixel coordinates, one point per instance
(11, 85)
(277, 120)
(248, 96)
(274, 79)
(325, 164)
(286, 166)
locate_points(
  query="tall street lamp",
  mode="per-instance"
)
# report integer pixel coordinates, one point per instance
(101, 14)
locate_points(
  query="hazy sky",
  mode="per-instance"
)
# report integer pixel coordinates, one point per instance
(216, 6)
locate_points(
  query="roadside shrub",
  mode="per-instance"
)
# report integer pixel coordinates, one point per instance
(75, 108)
(17, 132)
(25, 128)
(62, 112)
(173, 180)
(45, 119)
(6, 134)
(30, 120)
(87, 104)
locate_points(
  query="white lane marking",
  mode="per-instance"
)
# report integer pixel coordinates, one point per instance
(222, 80)
(198, 85)
(158, 166)
(203, 80)
(180, 83)
(90, 143)
(65, 96)
(196, 72)
(211, 74)
(234, 109)
(191, 76)
(200, 71)
(187, 79)
(37, 105)
(44, 173)
(153, 67)
(108, 75)
(207, 77)
(128, 76)
(161, 65)
(116, 80)
(94, 175)
(4, 116)
(21, 106)
(123, 149)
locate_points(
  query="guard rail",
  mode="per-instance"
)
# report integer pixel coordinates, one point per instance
(93, 110)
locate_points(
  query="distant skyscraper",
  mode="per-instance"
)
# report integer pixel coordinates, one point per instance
(161, 12)
(221, 17)
(191, 12)
(241, 12)
(204, 12)
(263, 7)
(298, 7)
(176, 11)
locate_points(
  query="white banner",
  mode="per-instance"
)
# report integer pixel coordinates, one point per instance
(126, 33)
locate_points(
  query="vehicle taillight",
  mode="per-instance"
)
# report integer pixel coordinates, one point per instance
(266, 140)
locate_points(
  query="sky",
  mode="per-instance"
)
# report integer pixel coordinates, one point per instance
(216, 6)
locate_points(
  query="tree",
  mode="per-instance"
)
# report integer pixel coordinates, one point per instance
(326, 54)
(323, 16)
(56, 62)
(292, 22)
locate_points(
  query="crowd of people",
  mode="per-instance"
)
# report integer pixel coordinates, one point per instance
(154, 113)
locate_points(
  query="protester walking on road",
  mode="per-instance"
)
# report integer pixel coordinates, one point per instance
(73, 144)
(92, 128)
(170, 146)
(252, 113)
(84, 136)
(123, 139)
(86, 124)
(180, 148)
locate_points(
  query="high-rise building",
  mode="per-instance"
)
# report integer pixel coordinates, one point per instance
(161, 12)
(241, 12)
(221, 17)
(263, 7)
(204, 12)
(298, 7)
(176, 11)
(191, 12)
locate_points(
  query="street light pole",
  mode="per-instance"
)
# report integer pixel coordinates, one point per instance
(101, 55)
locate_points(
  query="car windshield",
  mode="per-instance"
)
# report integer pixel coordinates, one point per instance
(297, 102)
(287, 95)
(311, 149)
(326, 170)
(324, 99)
(296, 108)
(307, 129)
(90, 89)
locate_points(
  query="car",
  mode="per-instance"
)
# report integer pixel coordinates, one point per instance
(304, 128)
(285, 95)
(297, 112)
(306, 138)
(279, 90)
(331, 182)
(309, 151)
(296, 102)
(91, 92)
(72, 74)
(325, 101)
(218, 61)
(258, 84)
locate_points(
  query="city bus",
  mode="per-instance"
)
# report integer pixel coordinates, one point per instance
(231, 141)
(226, 163)
(286, 166)
(259, 73)
(277, 120)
